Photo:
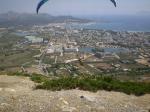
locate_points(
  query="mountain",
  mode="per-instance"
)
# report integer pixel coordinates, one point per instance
(27, 19)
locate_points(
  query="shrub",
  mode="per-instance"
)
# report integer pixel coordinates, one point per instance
(94, 84)
(38, 78)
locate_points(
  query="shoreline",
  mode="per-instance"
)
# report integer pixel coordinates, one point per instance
(88, 26)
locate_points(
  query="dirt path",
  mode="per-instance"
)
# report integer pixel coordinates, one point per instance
(17, 95)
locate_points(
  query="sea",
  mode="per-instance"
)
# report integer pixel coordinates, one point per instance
(136, 23)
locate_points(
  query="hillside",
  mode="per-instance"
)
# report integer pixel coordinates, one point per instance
(27, 19)
(17, 94)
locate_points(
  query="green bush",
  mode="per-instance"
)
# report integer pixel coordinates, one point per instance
(38, 78)
(94, 84)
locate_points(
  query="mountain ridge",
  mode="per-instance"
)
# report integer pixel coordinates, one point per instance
(28, 19)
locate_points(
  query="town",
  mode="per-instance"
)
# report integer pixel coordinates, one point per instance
(58, 49)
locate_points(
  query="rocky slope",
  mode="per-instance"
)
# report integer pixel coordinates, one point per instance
(17, 94)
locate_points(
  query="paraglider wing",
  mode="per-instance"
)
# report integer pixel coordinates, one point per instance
(114, 2)
(40, 4)
(43, 1)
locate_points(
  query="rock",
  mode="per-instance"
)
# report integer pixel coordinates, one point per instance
(10, 90)
(101, 108)
(68, 109)
(5, 104)
(64, 101)
(89, 98)
(81, 96)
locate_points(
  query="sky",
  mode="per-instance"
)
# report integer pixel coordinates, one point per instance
(78, 7)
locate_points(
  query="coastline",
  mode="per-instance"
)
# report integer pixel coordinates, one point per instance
(118, 27)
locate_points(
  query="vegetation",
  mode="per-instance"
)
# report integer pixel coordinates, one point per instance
(8, 39)
(95, 83)
(38, 78)
(17, 59)
(11, 55)
(88, 83)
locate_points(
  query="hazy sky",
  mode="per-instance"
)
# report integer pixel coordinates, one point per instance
(78, 7)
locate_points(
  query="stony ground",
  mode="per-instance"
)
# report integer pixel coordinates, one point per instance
(17, 94)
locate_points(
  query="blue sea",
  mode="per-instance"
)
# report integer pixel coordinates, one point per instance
(118, 23)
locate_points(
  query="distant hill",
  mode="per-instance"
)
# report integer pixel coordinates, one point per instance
(27, 19)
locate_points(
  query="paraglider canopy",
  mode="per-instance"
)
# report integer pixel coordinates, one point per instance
(44, 1)
(40, 4)
(114, 2)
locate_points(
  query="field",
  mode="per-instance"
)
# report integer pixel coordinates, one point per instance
(11, 54)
